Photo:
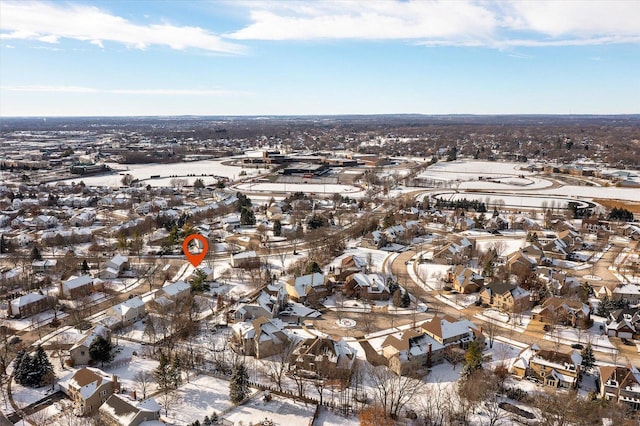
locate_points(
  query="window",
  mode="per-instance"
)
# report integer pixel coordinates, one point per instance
(82, 353)
(103, 392)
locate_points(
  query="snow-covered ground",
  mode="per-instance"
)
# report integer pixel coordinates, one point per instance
(145, 171)
(281, 411)
(509, 245)
(313, 188)
(194, 400)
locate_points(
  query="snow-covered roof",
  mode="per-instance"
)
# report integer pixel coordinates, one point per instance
(176, 288)
(77, 282)
(26, 300)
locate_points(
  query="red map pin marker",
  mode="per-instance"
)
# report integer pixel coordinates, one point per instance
(196, 258)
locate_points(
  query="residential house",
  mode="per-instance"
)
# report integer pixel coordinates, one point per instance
(351, 264)
(455, 252)
(307, 288)
(89, 388)
(623, 323)
(76, 287)
(412, 352)
(620, 384)
(44, 222)
(44, 266)
(448, 331)
(520, 263)
(628, 293)
(526, 224)
(10, 276)
(262, 337)
(175, 291)
(127, 312)
(119, 410)
(322, 357)
(114, 267)
(79, 352)
(554, 369)
(84, 218)
(245, 259)
(265, 305)
(631, 231)
(374, 240)
(506, 296)
(558, 310)
(465, 280)
(367, 286)
(29, 304)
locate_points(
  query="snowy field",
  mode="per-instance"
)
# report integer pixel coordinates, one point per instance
(510, 245)
(524, 201)
(145, 171)
(197, 399)
(309, 188)
(281, 411)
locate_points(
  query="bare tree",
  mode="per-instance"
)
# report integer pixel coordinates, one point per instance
(143, 379)
(393, 392)
(277, 366)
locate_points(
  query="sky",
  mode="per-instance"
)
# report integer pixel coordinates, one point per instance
(285, 57)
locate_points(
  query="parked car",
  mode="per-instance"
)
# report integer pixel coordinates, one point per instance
(577, 346)
(626, 341)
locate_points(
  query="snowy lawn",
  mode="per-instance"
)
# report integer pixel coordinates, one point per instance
(281, 411)
(197, 399)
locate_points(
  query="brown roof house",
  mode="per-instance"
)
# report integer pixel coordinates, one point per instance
(367, 286)
(322, 357)
(307, 287)
(506, 297)
(261, 337)
(447, 331)
(89, 388)
(465, 280)
(623, 323)
(620, 384)
(558, 310)
(555, 369)
(412, 352)
(119, 410)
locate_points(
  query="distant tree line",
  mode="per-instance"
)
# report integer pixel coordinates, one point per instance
(462, 204)
(621, 214)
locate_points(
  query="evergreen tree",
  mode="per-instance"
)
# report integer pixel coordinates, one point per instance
(277, 228)
(207, 421)
(21, 366)
(162, 373)
(588, 358)
(101, 350)
(198, 184)
(396, 298)
(473, 358)
(85, 267)
(247, 217)
(312, 268)
(239, 385)
(406, 299)
(42, 361)
(199, 281)
(175, 373)
(35, 253)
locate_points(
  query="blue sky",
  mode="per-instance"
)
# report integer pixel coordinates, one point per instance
(318, 57)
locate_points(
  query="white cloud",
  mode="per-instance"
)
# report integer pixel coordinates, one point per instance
(371, 20)
(50, 22)
(160, 92)
(447, 23)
